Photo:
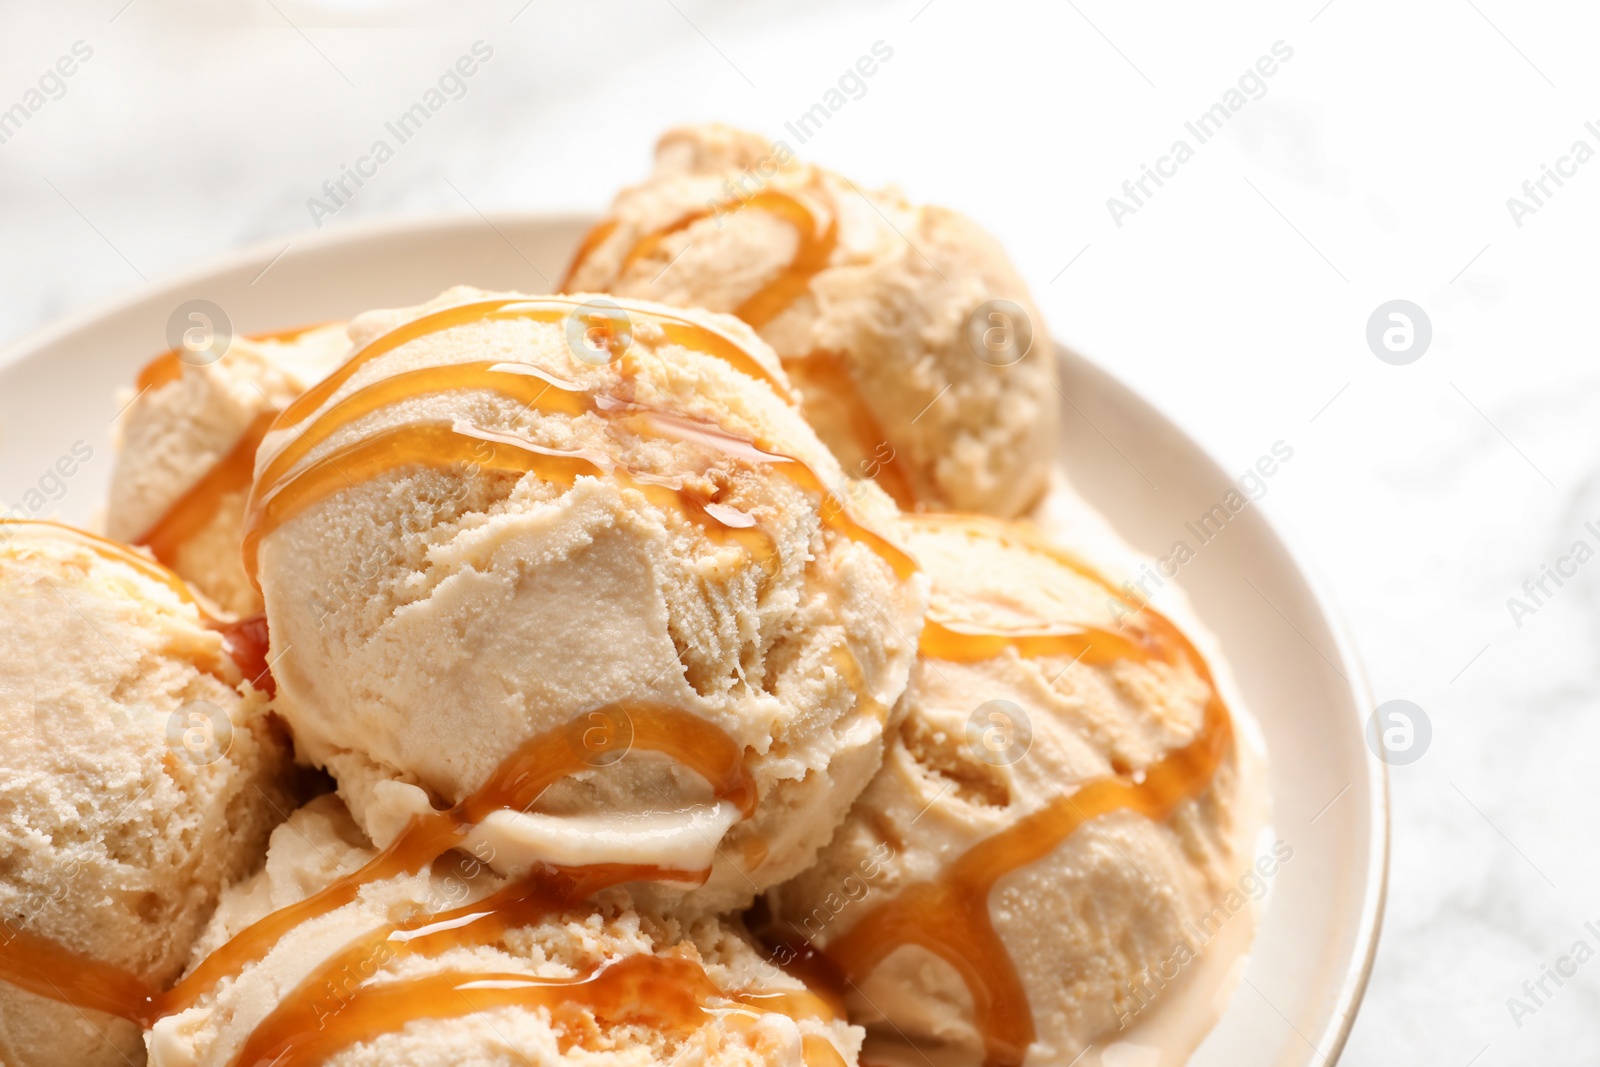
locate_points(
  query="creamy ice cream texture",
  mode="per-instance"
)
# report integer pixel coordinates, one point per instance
(601, 638)
(188, 441)
(457, 966)
(135, 782)
(1056, 811)
(513, 521)
(920, 355)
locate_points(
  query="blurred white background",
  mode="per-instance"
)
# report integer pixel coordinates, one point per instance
(1375, 166)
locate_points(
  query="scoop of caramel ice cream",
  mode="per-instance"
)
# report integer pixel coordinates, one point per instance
(510, 520)
(1056, 812)
(187, 453)
(135, 782)
(921, 357)
(457, 966)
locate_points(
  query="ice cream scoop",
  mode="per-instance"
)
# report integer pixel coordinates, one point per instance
(137, 782)
(601, 529)
(921, 358)
(456, 965)
(1056, 812)
(188, 441)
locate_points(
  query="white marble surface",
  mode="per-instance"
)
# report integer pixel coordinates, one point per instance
(1376, 166)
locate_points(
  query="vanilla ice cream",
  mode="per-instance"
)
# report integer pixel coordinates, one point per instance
(921, 357)
(512, 520)
(1056, 812)
(187, 451)
(526, 979)
(135, 781)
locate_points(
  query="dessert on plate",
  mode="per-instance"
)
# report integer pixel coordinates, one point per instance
(188, 441)
(535, 519)
(1055, 808)
(139, 775)
(468, 967)
(653, 720)
(913, 341)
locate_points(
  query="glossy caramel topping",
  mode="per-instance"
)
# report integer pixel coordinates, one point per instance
(247, 641)
(813, 250)
(849, 667)
(526, 384)
(949, 916)
(1098, 647)
(166, 367)
(547, 309)
(293, 1027)
(460, 445)
(516, 785)
(41, 966)
(835, 512)
(284, 489)
(194, 510)
(829, 372)
(818, 1051)
(663, 993)
(328, 1011)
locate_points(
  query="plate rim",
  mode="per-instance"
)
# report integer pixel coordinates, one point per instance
(1375, 890)
(263, 253)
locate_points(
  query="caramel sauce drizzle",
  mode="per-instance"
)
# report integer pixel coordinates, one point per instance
(197, 506)
(812, 254)
(302, 1029)
(547, 309)
(284, 491)
(38, 964)
(667, 993)
(829, 371)
(245, 639)
(516, 785)
(535, 389)
(194, 510)
(42, 967)
(441, 444)
(949, 916)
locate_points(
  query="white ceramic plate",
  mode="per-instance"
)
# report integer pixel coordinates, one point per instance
(1297, 673)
